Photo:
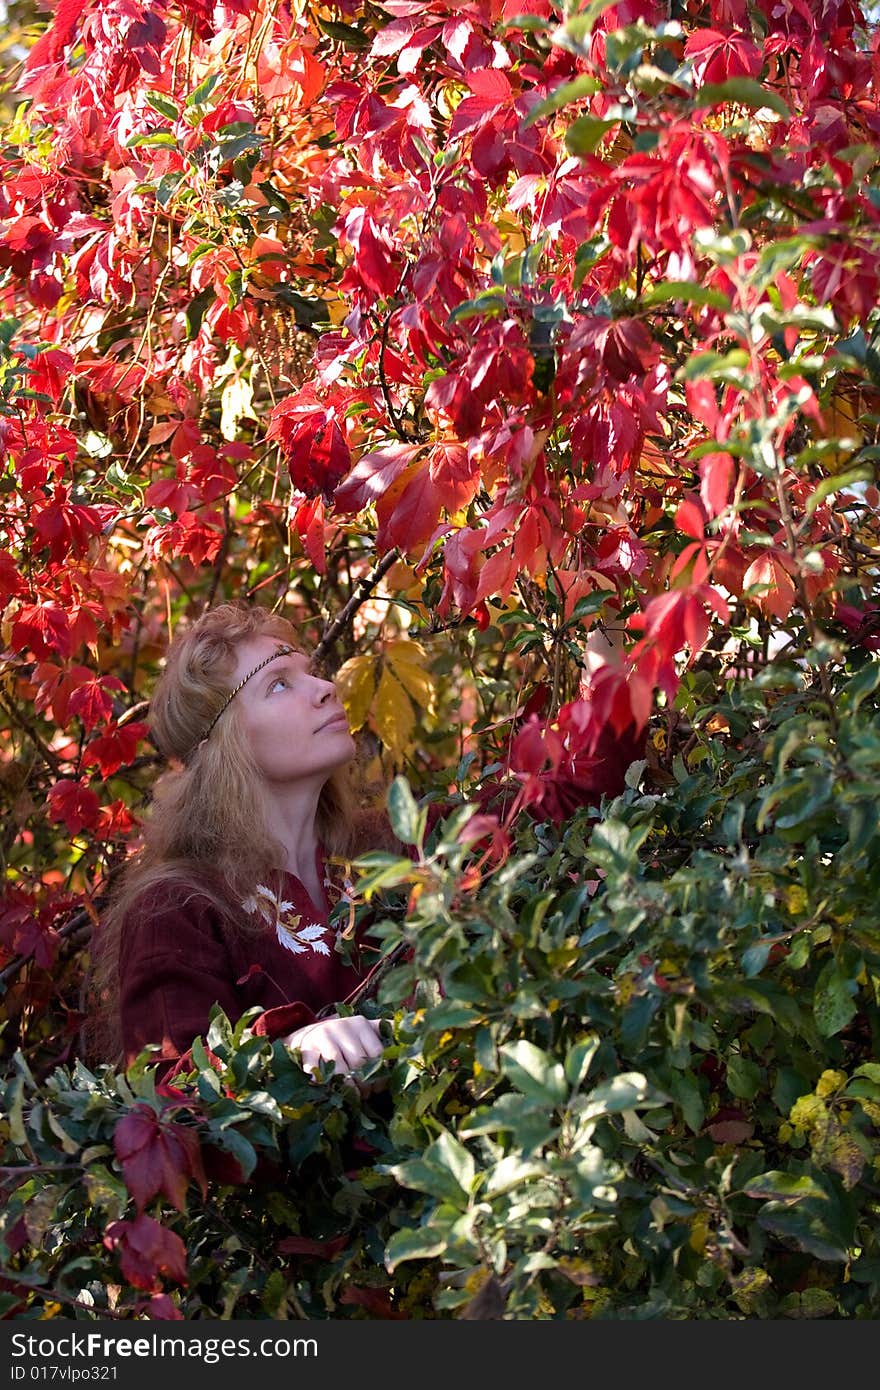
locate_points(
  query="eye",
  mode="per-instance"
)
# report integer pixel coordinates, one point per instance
(279, 680)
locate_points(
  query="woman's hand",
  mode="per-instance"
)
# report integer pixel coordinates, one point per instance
(346, 1042)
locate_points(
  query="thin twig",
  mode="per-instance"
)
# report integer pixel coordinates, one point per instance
(359, 597)
(46, 753)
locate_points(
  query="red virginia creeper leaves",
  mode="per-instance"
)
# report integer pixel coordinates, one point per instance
(146, 1251)
(74, 803)
(157, 1155)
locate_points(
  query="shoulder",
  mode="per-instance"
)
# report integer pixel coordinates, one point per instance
(169, 913)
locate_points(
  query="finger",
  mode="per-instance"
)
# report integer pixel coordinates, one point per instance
(315, 1055)
(367, 1034)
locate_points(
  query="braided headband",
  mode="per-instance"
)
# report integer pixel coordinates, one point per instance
(282, 650)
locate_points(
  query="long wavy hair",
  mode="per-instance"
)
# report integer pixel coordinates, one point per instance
(207, 826)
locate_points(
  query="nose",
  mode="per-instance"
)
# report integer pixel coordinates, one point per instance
(324, 691)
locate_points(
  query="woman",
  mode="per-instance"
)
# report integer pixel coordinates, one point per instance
(227, 900)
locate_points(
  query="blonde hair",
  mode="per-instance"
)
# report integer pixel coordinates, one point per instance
(207, 826)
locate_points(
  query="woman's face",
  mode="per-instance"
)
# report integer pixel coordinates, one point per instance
(293, 720)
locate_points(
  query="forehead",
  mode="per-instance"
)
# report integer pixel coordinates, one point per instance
(253, 650)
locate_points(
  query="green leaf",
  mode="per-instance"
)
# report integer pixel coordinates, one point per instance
(199, 95)
(407, 821)
(862, 684)
(529, 23)
(14, 1101)
(272, 1298)
(425, 1176)
(788, 1187)
(623, 1092)
(533, 1073)
(579, 26)
(828, 486)
(686, 1093)
(420, 1244)
(687, 291)
(165, 138)
(715, 365)
(490, 302)
(167, 187)
(780, 255)
(240, 144)
(586, 132)
(345, 34)
(197, 308)
(582, 86)
(833, 1003)
(447, 1152)
(164, 105)
(511, 1172)
(742, 91)
(579, 1059)
(744, 1077)
(804, 1226)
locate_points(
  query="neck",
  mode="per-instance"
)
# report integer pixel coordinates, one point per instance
(291, 816)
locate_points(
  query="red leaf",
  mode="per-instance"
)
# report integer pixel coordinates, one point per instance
(115, 822)
(11, 582)
(49, 372)
(67, 526)
(38, 940)
(373, 475)
(716, 476)
(702, 402)
(157, 1156)
(376, 261)
(43, 627)
(491, 91)
(770, 575)
(115, 749)
(308, 521)
(305, 1245)
(74, 803)
(689, 518)
(92, 700)
(161, 1306)
(221, 1166)
(717, 57)
(848, 276)
(376, 1301)
(147, 1250)
(730, 1126)
(313, 442)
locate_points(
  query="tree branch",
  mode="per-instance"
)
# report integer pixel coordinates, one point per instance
(359, 597)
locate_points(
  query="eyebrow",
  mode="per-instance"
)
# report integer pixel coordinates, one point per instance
(272, 674)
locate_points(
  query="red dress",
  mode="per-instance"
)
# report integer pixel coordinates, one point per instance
(175, 963)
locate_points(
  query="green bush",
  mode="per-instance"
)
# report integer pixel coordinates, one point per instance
(632, 1074)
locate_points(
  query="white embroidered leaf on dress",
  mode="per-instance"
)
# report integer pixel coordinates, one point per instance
(280, 913)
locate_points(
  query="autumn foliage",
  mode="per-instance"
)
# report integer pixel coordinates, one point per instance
(489, 327)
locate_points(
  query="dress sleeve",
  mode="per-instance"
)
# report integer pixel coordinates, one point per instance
(173, 967)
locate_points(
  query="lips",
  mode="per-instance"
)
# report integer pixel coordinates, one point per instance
(339, 720)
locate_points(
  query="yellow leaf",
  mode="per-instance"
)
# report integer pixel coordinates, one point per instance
(406, 660)
(796, 899)
(393, 713)
(236, 403)
(405, 649)
(356, 686)
(830, 1081)
(699, 1232)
